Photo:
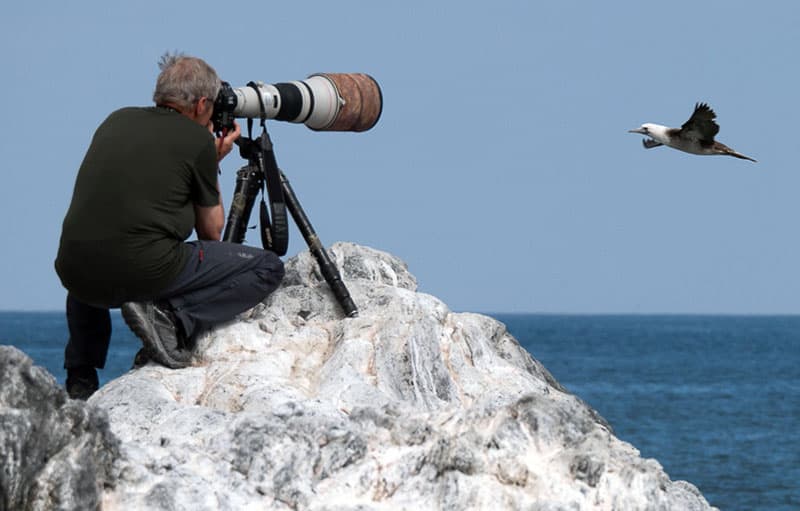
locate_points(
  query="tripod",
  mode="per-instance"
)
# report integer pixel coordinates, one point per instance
(262, 172)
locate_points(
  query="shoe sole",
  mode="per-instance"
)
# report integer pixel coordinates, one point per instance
(144, 329)
(81, 390)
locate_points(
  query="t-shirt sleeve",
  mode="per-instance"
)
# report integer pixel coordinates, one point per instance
(204, 184)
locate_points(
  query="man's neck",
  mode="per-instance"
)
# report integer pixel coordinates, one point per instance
(171, 107)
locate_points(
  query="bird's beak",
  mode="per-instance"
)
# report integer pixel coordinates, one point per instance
(637, 130)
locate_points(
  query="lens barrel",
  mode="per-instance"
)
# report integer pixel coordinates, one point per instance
(361, 102)
(323, 101)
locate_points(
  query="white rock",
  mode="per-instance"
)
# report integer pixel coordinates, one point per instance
(407, 406)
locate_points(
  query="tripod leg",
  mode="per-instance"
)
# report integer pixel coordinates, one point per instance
(248, 183)
(329, 270)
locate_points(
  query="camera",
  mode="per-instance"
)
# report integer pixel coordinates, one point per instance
(323, 102)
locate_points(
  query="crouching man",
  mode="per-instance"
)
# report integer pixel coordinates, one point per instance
(148, 179)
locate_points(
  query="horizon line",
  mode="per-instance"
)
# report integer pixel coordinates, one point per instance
(524, 313)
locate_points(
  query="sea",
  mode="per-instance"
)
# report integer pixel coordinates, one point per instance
(715, 399)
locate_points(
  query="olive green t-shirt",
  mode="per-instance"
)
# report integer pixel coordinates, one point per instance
(133, 205)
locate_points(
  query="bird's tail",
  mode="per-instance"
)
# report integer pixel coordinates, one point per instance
(740, 156)
(723, 149)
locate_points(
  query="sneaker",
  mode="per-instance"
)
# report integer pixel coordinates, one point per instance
(161, 340)
(82, 382)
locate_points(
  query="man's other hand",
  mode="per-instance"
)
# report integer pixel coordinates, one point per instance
(225, 142)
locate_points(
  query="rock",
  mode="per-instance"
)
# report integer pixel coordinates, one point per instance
(55, 453)
(407, 406)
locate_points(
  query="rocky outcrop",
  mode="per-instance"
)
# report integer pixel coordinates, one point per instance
(407, 406)
(55, 453)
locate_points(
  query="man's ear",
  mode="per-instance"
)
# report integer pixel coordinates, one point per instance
(209, 105)
(199, 107)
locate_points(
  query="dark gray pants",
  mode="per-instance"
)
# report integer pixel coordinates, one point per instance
(219, 281)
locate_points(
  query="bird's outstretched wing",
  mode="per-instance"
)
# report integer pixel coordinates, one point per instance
(649, 143)
(701, 125)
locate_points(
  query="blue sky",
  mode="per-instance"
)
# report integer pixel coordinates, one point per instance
(501, 170)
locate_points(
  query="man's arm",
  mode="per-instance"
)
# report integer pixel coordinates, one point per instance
(209, 221)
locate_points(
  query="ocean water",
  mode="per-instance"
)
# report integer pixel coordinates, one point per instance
(715, 399)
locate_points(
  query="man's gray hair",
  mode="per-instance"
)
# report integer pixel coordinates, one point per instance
(184, 80)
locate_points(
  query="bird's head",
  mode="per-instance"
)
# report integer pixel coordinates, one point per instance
(656, 132)
(644, 129)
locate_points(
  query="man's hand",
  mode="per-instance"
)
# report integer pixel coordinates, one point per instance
(224, 143)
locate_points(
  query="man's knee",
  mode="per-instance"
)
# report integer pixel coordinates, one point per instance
(270, 271)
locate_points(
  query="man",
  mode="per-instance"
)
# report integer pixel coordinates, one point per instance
(148, 179)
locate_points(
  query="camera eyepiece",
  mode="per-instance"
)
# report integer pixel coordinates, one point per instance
(323, 102)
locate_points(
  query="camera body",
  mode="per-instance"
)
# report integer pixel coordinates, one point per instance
(224, 106)
(323, 102)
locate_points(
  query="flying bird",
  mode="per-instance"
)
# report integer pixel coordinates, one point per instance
(696, 136)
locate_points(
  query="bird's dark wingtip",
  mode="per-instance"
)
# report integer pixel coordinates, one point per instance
(701, 105)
